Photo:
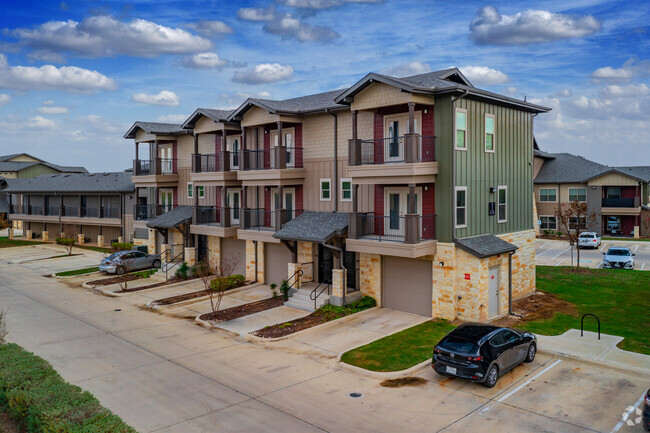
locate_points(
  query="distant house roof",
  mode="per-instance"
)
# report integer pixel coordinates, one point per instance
(172, 219)
(119, 182)
(485, 246)
(568, 168)
(640, 172)
(296, 106)
(216, 115)
(155, 128)
(7, 165)
(314, 227)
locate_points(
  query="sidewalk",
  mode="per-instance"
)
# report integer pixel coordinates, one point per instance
(589, 348)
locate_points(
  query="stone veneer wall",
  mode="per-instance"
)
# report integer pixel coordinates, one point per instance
(306, 260)
(250, 261)
(370, 275)
(214, 252)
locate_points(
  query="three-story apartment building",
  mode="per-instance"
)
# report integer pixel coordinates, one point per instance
(416, 191)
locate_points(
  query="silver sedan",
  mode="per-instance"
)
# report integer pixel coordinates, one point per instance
(126, 261)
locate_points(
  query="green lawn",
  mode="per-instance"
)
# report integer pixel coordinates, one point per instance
(5, 242)
(620, 298)
(98, 249)
(401, 350)
(77, 272)
(626, 239)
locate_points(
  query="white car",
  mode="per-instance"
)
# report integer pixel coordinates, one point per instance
(618, 258)
(588, 240)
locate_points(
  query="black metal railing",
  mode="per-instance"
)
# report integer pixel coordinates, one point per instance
(207, 215)
(395, 228)
(206, 163)
(70, 211)
(142, 212)
(278, 157)
(407, 148)
(110, 212)
(147, 167)
(320, 288)
(17, 209)
(142, 167)
(621, 202)
(53, 210)
(262, 219)
(35, 210)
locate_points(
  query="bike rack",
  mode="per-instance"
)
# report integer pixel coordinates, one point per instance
(582, 323)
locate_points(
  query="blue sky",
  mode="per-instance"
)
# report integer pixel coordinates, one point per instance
(75, 75)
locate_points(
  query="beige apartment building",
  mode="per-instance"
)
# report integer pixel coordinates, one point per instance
(416, 191)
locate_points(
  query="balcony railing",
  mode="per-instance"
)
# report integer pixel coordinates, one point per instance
(622, 202)
(158, 166)
(406, 149)
(409, 229)
(262, 219)
(279, 157)
(69, 211)
(144, 212)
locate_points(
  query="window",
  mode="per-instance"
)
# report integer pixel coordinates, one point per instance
(548, 223)
(346, 189)
(613, 192)
(461, 129)
(579, 194)
(489, 132)
(190, 190)
(502, 204)
(577, 223)
(548, 194)
(461, 206)
(201, 191)
(325, 189)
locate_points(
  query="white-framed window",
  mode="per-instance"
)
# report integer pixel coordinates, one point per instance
(577, 223)
(346, 189)
(190, 190)
(502, 204)
(326, 189)
(548, 222)
(579, 194)
(201, 191)
(548, 194)
(460, 207)
(489, 133)
(460, 139)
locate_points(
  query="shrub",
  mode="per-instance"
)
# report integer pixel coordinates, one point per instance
(284, 289)
(121, 246)
(227, 283)
(183, 271)
(363, 303)
(35, 395)
(68, 243)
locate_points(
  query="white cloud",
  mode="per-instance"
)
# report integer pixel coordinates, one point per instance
(629, 91)
(264, 73)
(65, 78)
(510, 90)
(564, 93)
(256, 14)
(406, 69)
(286, 26)
(102, 36)
(4, 99)
(210, 28)
(630, 69)
(165, 97)
(48, 102)
(528, 27)
(52, 110)
(322, 4)
(483, 75)
(173, 118)
(204, 61)
(40, 122)
(234, 100)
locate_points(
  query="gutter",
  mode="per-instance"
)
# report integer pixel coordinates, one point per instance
(453, 164)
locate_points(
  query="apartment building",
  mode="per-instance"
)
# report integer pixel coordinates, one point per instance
(22, 165)
(95, 207)
(618, 197)
(416, 191)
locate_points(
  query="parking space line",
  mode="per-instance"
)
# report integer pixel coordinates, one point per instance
(501, 399)
(636, 248)
(544, 245)
(604, 245)
(561, 253)
(642, 265)
(560, 262)
(599, 264)
(627, 414)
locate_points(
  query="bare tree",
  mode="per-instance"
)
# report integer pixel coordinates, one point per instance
(218, 282)
(574, 220)
(3, 327)
(68, 240)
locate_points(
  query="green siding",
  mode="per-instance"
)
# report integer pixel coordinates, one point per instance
(36, 170)
(510, 165)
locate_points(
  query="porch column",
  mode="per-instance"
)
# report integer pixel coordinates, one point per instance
(412, 226)
(243, 199)
(354, 144)
(137, 153)
(155, 166)
(354, 219)
(196, 144)
(280, 151)
(410, 139)
(411, 199)
(354, 124)
(242, 160)
(196, 196)
(411, 128)
(224, 137)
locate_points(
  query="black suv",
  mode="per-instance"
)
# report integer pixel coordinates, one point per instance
(482, 353)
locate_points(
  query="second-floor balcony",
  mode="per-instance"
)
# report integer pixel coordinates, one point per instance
(158, 170)
(66, 211)
(622, 202)
(145, 212)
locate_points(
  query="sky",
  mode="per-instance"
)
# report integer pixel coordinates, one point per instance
(75, 75)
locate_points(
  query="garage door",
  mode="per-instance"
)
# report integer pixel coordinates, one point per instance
(277, 257)
(407, 285)
(233, 253)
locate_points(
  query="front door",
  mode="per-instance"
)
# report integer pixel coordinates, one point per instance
(350, 262)
(202, 248)
(233, 146)
(394, 129)
(288, 201)
(396, 207)
(288, 143)
(233, 201)
(493, 299)
(166, 163)
(166, 200)
(325, 264)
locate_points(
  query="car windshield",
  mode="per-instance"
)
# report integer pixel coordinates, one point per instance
(618, 252)
(588, 236)
(459, 345)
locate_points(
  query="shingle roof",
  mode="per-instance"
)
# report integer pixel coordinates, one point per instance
(8, 157)
(216, 115)
(7, 165)
(172, 219)
(301, 105)
(76, 182)
(641, 172)
(567, 168)
(314, 227)
(155, 128)
(485, 246)
(4, 204)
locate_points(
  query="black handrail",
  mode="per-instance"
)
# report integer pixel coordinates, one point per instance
(174, 260)
(582, 322)
(313, 296)
(298, 274)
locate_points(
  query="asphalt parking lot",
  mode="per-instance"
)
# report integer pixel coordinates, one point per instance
(558, 253)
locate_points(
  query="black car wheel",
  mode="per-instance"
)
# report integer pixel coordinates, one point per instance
(119, 270)
(530, 355)
(492, 377)
(156, 264)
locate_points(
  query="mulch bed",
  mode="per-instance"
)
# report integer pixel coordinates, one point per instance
(9, 425)
(538, 306)
(152, 286)
(186, 297)
(318, 317)
(114, 280)
(243, 310)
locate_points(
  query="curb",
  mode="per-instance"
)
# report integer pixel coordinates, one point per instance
(75, 276)
(199, 299)
(383, 375)
(609, 364)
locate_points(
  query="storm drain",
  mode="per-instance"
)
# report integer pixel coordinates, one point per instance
(355, 395)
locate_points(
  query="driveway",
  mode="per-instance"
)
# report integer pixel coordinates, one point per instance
(164, 374)
(558, 253)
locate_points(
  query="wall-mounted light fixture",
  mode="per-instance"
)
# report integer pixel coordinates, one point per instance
(442, 264)
(493, 189)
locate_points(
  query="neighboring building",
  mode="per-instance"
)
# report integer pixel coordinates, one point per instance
(619, 197)
(417, 191)
(22, 165)
(96, 207)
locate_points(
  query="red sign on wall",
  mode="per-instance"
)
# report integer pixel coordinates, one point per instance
(467, 276)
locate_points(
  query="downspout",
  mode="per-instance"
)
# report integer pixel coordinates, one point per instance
(453, 164)
(255, 243)
(335, 186)
(340, 250)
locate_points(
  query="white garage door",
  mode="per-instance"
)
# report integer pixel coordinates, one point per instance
(407, 285)
(233, 254)
(277, 257)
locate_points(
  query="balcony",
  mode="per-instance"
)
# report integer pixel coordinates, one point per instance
(155, 171)
(621, 206)
(261, 224)
(146, 212)
(217, 167)
(68, 214)
(215, 221)
(409, 236)
(406, 159)
(277, 163)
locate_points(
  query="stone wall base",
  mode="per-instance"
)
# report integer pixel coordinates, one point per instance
(46, 236)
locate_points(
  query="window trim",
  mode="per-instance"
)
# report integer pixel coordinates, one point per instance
(499, 189)
(456, 190)
(547, 189)
(494, 133)
(190, 190)
(329, 180)
(201, 189)
(346, 179)
(575, 189)
(460, 110)
(547, 216)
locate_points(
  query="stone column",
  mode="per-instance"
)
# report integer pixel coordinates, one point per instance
(165, 256)
(100, 240)
(81, 239)
(636, 232)
(250, 261)
(214, 252)
(444, 296)
(292, 277)
(370, 275)
(306, 260)
(151, 241)
(46, 236)
(339, 286)
(11, 233)
(28, 234)
(190, 256)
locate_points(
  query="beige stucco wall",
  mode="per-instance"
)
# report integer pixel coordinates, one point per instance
(23, 158)
(382, 95)
(613, 179)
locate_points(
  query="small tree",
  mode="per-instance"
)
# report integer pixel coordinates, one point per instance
(218, 281)
(68, 240)
(3, 327)
(574, 220)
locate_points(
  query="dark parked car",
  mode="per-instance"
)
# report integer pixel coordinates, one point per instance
(481, 353)
(126, 261)
(646, 411)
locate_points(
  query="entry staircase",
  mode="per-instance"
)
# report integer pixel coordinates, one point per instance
(303, 298)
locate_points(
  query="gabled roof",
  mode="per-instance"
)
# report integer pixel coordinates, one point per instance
(619, 171)
(172, 219)
(216, 115)
(640, 172)
(155, 128)
(117, 182)
(294, 106)
(314, 227)
(7, 165)
(485, 246)
(14, 155)
(568, 168)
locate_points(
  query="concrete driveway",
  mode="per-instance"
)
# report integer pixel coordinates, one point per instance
(558, 253)
(168, 375)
